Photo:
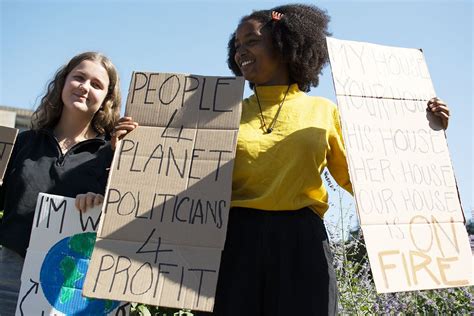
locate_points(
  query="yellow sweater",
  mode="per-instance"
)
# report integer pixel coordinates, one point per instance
(282, 170)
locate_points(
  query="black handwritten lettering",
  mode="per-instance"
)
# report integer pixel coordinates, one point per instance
(161, 271)
(135, 88)
(119, 270)
(163, 207)
(181, 279)
(128, 203)
(56, 208)
(157, 250)
(201, 276)
(201, 107)
(123, 149)
(103, 267)
(192, 161)
(219, 160)
(191, 88)
(40, 211)
(88, 220)
(165, 134)
(177, 205)
(148, 89)
(111, 201)
(158, 148)
(166, 91)
(220, 82)
(143, 277)
(171, 156)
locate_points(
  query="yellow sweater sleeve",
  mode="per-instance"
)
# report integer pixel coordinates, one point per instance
(336, 157)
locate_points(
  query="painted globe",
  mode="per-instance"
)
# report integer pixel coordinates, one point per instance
(62, 277)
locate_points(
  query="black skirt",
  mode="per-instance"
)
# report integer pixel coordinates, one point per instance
(276, 263)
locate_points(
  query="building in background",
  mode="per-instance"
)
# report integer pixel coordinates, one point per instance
(15, 117)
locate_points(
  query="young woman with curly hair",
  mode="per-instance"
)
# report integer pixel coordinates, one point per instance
(276, 260)
(68, 152)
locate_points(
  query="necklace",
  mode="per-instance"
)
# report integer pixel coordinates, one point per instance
(66, 143)
(273, 122)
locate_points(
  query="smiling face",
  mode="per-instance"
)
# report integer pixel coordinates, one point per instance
(85, 89)
(259, 62)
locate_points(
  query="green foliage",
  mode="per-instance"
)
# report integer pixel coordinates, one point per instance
(148, 310)
(470, 225)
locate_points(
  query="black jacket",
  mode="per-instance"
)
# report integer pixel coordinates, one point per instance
(37, 165)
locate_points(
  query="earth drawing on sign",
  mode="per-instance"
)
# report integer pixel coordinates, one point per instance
(63, 273)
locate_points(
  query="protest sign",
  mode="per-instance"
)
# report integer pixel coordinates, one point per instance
(7, 140)
(168, 195)
(57, 259)
(400, 169)
(7, 118)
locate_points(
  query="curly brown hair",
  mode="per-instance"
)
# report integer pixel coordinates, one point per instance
(299, 36)
(49, 111)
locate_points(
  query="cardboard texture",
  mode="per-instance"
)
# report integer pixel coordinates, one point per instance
(7, 140)
(168, 196)
(404, 185)
(57, 259)
(7, 118)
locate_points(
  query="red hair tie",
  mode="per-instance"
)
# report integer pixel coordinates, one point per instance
(276, 16)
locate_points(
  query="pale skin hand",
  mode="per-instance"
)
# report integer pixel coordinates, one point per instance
(88, 200)
(439, 108)
(124, 126)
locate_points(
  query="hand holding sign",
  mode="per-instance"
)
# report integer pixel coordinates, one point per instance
(439, 108)
(88, 200)
(124, 126)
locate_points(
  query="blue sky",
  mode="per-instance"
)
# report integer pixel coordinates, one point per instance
(191, 37)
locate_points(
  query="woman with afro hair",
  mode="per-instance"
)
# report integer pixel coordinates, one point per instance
(276, 260)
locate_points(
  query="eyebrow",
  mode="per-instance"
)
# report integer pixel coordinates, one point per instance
(94, 78)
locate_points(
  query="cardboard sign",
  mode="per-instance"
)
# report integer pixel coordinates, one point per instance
(400, 169)
(7, 140)
(169, 190)
(58, 256)
(7, 118)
